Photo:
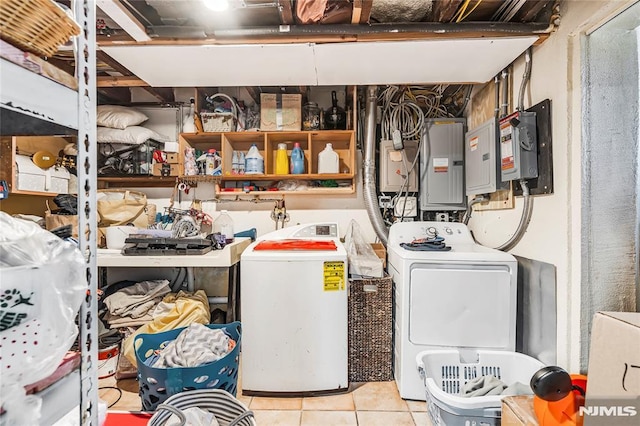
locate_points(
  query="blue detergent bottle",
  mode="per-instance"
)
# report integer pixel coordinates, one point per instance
(297, 160)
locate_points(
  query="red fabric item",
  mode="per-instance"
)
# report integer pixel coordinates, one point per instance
(129, 419)
(296, 245)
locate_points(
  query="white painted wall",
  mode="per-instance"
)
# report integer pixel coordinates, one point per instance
(554, 234)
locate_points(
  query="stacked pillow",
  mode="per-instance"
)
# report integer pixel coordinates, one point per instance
(118, 124)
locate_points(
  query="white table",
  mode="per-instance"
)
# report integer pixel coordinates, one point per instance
(229, 257)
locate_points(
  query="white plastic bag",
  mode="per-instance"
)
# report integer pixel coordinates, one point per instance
(363, 261)
(42, 284)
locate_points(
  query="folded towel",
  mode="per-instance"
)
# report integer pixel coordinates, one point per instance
(136, 300)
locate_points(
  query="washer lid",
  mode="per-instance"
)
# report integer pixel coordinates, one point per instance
(296, 244)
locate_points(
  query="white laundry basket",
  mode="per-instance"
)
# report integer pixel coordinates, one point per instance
(444, 372)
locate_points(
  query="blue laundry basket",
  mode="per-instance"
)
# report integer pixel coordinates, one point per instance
(158, 384)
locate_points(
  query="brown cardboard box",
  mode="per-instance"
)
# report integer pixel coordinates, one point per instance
(518, 411)
(381, 252)
(165, 169)
(613, 377)
(172, 157)
(280, 111)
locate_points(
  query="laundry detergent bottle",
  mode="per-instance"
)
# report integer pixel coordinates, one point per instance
(253, 162)
(282, 160)
(297, 160)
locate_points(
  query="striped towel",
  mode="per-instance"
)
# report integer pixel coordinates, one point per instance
(195, 345)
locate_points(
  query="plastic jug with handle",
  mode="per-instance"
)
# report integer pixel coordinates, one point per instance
(253, 162)
(297, 160)
(328, 160)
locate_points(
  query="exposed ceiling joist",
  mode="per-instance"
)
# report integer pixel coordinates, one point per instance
(120, 81)
(124, 19)
(162, 94)
(357, 11)
(365, 14)
(444, 10)
(285, 10)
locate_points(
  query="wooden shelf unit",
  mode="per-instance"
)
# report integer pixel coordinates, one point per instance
(311, 142)
(10, 146)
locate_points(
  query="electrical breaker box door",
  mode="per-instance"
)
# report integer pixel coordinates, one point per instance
(481, 162)
(518, 146)
(393, 166)
(442, 165)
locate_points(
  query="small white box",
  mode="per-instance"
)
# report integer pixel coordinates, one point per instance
(30, 177)
(171, 147)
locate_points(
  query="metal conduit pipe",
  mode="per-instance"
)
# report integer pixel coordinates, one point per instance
(369, 166)
(527, 209)
(439, 28)
(477, 200)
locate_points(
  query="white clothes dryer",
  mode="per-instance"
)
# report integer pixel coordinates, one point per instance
(462, 298)
(294, 312)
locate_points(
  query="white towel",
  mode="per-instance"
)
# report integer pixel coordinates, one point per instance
(136, 300)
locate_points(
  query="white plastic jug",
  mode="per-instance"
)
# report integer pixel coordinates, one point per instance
(328, 160)
(188, 122)
(253, 162)
(116, 235)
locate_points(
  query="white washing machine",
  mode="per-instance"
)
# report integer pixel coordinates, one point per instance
(462, 298)
(293, 285)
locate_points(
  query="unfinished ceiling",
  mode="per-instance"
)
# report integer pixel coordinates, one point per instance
(137, 38)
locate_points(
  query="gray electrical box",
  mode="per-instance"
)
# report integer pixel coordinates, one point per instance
(442, 165)
(518, 146)
(394, 164)
(482, 169)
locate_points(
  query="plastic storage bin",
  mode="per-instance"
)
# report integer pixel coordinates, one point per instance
(158, 384)
(444, 372)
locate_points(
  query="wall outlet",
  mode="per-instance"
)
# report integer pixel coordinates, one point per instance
(442, 217)
(384, 201)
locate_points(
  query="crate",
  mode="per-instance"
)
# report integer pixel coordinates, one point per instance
(39, 26)
(158, 384)
(445, 372)
(370, 330)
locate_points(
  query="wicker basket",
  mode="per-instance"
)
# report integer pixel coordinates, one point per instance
(370, 330)
(220, 121)
(39, 26)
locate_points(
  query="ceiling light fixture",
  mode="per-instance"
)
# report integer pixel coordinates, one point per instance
(217, 5)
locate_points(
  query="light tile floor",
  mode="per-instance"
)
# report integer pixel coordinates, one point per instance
(365, 404)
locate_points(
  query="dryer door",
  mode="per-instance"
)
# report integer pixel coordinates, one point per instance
(463, 306)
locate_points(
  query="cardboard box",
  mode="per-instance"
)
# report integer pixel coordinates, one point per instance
(279, 111)
(172, 157)
(613, 377)
(165, 169)
(518, 411)
(381, 252)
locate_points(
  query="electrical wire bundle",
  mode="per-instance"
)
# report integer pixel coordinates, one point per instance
(405, 110)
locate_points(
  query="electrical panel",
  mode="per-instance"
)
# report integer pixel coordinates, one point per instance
(482, 169)
(518, 146)
(442, 165)
(394, 164)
